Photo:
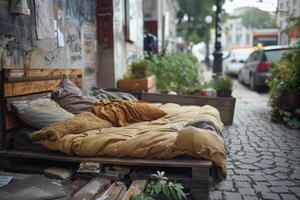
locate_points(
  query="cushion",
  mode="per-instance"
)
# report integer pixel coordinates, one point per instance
(122, 112)
(102, 94)
(71, 98)
(78, 124)
(39, 113)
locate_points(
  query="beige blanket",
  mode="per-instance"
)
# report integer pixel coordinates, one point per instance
(156, 139)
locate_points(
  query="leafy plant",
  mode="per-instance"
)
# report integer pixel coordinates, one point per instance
(162, 186)
(289, 119)
(175, 71)
(138, 68)
(223, 83)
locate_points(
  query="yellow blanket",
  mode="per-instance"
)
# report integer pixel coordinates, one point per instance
(156, 139)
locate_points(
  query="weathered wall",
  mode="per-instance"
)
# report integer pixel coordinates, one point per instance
(75, 20)
(113, 47)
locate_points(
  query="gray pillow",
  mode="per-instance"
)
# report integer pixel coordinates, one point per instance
(40, 112)
(71, 98)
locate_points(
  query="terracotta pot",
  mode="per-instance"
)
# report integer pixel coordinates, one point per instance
(290, 99)
(224, 93)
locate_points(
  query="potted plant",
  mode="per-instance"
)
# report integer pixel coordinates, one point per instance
(284, 85)
(223, 86)
(138, 77)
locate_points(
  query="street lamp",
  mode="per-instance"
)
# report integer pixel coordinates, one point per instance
(208, 20)
(217, 65)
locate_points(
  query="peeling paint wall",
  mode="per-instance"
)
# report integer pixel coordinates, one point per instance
(76, 19)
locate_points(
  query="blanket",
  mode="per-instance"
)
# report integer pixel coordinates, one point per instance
(155, 139)
(121, 113)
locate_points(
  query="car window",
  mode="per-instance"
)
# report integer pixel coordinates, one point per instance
(254, 56)
(274, 55)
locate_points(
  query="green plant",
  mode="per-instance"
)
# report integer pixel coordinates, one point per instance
(223, 83)
(285, 76)
(162, 186)
(288, 118)
(138, 68)
(175, 71)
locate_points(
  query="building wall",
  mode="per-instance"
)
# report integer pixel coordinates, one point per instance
(75, 21)
(115, 46)
(292, 7)
(160, 19)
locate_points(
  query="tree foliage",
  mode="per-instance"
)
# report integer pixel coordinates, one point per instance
(194, 28)
(256, 18)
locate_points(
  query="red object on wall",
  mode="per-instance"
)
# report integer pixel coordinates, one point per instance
(295, 33)
(151, 26)
(105, 35)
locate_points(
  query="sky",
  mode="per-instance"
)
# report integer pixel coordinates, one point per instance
(267, 5)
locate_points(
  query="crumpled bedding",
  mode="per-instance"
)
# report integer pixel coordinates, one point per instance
(121, 113)
(154, 139)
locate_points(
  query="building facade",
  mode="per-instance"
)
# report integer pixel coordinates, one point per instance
(95, 36)
(160, 20)
(286, 36)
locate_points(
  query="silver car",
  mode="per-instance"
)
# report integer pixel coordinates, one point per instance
(256, 70)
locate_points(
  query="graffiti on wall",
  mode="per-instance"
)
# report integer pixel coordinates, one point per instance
(52, 57)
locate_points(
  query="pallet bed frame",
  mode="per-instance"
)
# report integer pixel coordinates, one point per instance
(31, 83)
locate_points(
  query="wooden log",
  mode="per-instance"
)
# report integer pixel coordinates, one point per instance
(135, 188)
(89, 191)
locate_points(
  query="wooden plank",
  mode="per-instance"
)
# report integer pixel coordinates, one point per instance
(200, 173)
(134, 189)
(114, 192)
(145, 84)
(23, 88)
(89, 190)
(175, 162)
(41, 72)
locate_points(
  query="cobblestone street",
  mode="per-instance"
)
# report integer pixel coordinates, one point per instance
(264, 158)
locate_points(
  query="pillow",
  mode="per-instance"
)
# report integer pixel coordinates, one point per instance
(101, 94)
(78, 124)
(40, 112)
(122, 112)
(71, 98)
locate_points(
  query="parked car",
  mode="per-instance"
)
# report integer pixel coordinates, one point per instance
(235, 60)
(256, 70)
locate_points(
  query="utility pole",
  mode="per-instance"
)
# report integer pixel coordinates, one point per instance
(217, 64)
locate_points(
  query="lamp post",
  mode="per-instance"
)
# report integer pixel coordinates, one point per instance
(217, 64)
(208, 20)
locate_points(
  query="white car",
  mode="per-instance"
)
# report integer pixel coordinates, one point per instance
(235, 60)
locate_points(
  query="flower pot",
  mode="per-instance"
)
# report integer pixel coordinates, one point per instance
(290, 99)
(224, 93)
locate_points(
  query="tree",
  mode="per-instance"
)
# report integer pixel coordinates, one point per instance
(256, 18)
(191, 24)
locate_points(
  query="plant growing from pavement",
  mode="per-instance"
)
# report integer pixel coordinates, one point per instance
(161, 188)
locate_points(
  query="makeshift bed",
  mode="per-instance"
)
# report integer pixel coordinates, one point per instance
(184, 137)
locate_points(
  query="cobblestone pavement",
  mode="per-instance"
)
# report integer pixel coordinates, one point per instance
(264, 159)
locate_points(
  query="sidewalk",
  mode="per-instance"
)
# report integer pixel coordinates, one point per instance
(264, 159)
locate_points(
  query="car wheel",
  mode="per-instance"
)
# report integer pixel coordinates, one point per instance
(252, 83)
